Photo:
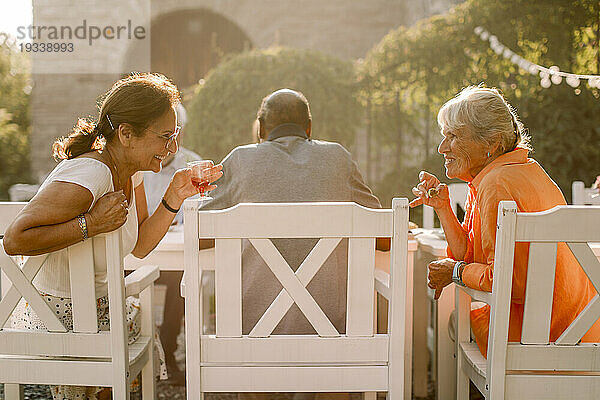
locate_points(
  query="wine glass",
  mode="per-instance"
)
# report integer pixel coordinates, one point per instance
(201, 173)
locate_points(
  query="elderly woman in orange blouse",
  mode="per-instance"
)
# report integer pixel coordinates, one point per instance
(484, 144)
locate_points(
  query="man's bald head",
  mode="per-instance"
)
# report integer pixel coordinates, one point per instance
(284, 106)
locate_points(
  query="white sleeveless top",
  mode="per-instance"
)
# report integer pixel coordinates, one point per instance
(95, 176)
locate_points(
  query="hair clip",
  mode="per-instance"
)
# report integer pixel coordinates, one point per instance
(110, 123)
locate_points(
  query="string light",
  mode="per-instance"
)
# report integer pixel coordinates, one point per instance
(548, 76)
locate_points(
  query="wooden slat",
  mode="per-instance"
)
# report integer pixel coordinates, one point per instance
(539, 293)
(12, 295)
(82, 279)
(294, 287)
(193, 297)
(305, 273)
(501, 288)
(31, 295)
(43, 371)
(116, 306)
(361, 284)
(32, 343)
(294, 379)
(90, 372)
(400, 314)
(582, 357)
(287, 220)
(584, 321)
(552, 387)
(588, 261)
(281, 349)
(549, 226)
(228, 287)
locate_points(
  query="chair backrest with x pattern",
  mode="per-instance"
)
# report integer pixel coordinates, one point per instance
(328, 221)
(357, 360)
(577, 226)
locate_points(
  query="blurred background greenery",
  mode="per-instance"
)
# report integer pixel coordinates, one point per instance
(384, 106)
(15, 90)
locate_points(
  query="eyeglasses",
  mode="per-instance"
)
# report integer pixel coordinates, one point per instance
(169, 139)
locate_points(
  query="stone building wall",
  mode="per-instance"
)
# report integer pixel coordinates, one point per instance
(344, 28)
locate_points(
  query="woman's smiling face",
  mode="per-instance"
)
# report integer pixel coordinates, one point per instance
(464, 157)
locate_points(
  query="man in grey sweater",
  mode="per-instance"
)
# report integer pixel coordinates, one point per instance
(288, 166)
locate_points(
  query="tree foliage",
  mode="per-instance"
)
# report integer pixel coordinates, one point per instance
(14, 120)
(224, 106)
(416, 70)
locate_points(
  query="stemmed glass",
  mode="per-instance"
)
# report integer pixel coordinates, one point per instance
(201, 174)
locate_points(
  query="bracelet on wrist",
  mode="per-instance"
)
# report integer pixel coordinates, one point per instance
(168, 207)
(83, 226)
(457, 273)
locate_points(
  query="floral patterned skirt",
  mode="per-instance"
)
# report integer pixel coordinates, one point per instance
(25, 318)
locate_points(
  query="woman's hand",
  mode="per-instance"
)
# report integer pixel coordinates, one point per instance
(430, 192)
(108, 214)
(181, 186)
(440, 275)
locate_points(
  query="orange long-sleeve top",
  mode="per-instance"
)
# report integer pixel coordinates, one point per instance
(514, 176)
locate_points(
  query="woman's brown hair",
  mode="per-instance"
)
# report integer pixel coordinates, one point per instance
(138, 100)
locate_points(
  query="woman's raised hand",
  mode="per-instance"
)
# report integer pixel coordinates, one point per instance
(430, 192)
(181, 183)
(108, 214)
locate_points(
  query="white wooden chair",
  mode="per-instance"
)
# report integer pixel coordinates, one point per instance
(534, 368)
(84, 356)
(584, 195)
(458, 197)
(357, 361)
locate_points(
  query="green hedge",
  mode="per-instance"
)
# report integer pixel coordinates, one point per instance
(224, 106)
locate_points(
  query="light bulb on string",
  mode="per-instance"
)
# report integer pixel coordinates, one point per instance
(572, 81)
(533, 69)
(545, 83)
(548, 76)
(556, 79)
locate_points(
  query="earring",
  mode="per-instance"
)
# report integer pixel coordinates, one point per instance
(489, 154)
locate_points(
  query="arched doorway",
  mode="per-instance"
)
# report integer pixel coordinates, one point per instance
(186, 44)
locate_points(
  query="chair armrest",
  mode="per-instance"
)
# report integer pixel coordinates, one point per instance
(477, 295)
(382, 283)
(141, 278)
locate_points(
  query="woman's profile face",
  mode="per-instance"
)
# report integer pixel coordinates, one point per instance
(464, 157)
(151, 147)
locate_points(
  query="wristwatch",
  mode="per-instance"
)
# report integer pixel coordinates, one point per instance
(456, 273)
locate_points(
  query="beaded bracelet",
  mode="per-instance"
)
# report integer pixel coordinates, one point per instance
(83, 225)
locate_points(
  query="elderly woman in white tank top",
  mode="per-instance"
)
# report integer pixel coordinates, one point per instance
(97, 188)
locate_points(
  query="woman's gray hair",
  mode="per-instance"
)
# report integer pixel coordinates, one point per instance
(487, 115)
